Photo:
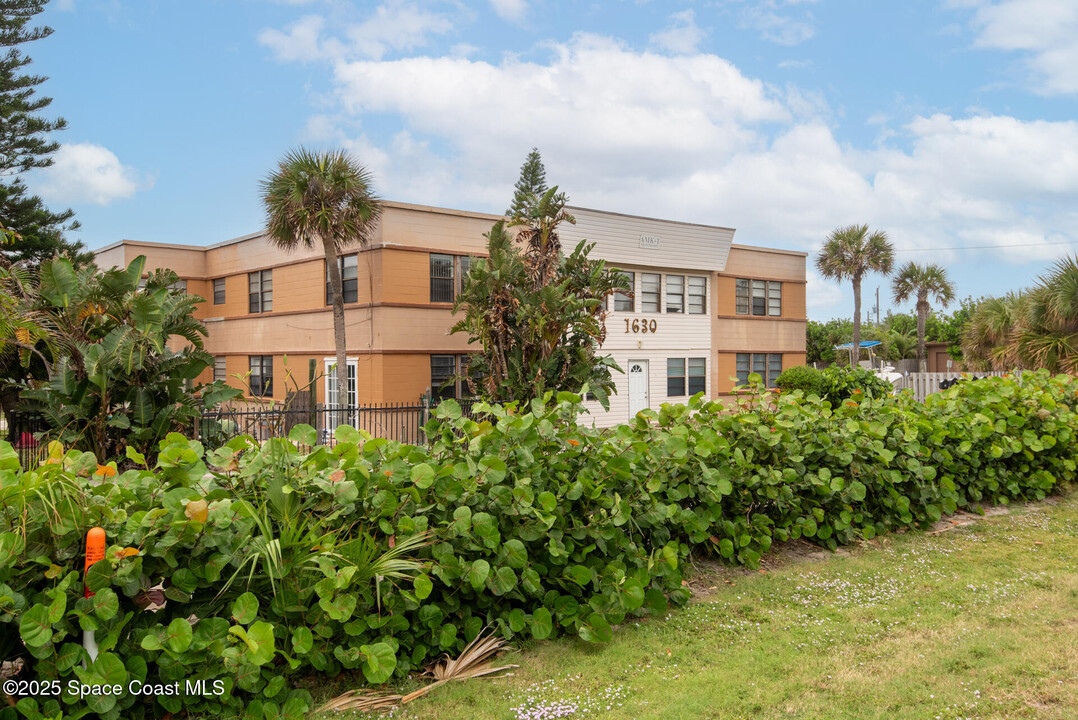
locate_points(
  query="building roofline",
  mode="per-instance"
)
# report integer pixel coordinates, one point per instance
(647, 217)
(449, 211)
(777, 251)
(147, 243)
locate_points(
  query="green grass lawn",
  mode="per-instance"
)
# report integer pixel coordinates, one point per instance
(980, 621)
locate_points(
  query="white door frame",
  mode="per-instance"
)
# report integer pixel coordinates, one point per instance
(330, 366)
(647, 390)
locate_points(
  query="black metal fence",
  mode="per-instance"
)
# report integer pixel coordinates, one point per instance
(401, 422)
(393, 421)
(24, 433)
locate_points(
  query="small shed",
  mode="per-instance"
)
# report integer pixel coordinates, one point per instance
(939, 360)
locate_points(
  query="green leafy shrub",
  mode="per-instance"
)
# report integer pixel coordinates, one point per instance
(115, 383)
(843, 382)
(804, 378)
(525, 521)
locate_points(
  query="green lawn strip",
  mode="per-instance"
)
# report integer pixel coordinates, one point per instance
(978, 622)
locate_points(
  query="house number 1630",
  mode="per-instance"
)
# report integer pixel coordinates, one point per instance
(640, 326)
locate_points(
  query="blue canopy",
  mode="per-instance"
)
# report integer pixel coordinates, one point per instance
(864, 344)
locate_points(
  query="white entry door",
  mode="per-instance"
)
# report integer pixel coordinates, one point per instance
(638, 386)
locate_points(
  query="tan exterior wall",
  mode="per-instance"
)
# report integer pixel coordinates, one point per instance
(732, 333)
(405, 276)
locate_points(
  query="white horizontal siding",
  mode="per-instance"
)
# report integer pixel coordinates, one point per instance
(619, 403)
(682, 246)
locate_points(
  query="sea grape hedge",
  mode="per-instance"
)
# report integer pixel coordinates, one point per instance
(835, 383)
(537, 526)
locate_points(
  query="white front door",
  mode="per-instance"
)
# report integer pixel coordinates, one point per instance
(638, 386)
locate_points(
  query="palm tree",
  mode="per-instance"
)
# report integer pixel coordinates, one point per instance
(989, 338)
(921, 281)
(850, 253)
(322, 198)
(1049, 337)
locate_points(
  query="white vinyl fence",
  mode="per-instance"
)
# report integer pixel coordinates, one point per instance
(924, 384)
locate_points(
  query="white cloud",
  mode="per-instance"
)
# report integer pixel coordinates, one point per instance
(84, 172)
(777, 21)
(511, 10)
(1044, 30)
(680, 36)
(302, 42)
(820, 294)
(395, 26)
(635, 113)
(690, 137)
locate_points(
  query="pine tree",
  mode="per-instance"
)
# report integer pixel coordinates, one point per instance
(25, 145)
(530, 186)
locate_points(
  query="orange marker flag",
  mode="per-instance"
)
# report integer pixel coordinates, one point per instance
(95, 550)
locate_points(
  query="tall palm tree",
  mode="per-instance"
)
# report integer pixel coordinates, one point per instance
(921, 281)
(322, 199)
(850, 253)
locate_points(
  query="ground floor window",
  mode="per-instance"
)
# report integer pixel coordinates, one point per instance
(220, 369)
(767, 365)
(685, 374)
(261, 375)
(447, 373)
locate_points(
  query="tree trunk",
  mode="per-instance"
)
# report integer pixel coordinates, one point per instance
(922, 318)
(339, 342)
(855, 351)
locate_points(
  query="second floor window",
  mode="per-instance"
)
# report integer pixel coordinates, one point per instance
(465, 267)
(624, 301)
(349, 265)
(650, 292)
(675, 293)
(697, 295)
(219, 291)
(441, 278)
(261, 379)
(758, 297)
(260, 291)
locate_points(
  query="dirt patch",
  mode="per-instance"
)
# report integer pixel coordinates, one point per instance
(963, 518)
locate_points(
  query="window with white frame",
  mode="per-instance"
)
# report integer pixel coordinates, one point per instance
(650, 292)
(220, 369)
(675, 293)
(623, 302)
(685, 374)
(697, 295)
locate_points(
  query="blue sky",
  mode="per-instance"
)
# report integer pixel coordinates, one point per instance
(949, 124)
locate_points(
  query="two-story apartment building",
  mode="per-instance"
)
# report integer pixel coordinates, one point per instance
(703, 311)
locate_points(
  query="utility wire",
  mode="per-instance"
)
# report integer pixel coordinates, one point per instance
(990, 247)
